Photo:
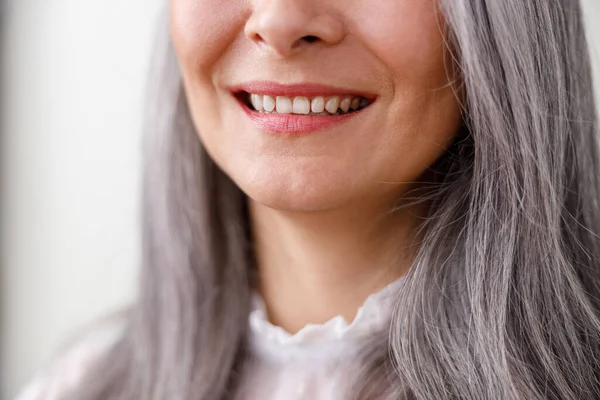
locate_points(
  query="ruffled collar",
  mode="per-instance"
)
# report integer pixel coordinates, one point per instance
(334, 338)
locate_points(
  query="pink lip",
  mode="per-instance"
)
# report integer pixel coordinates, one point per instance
(294, 123)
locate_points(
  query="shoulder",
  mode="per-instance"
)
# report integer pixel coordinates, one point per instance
(67, 369)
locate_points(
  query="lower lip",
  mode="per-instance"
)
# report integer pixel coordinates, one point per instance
(294, 123)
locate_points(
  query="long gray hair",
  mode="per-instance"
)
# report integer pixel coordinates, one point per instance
(503, 299)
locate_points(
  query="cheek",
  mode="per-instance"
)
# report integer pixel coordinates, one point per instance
(202, 30)
(405, 35)
(203, 33)
(423, 112)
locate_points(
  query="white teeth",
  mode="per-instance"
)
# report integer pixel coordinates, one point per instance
(332, 104)
(345, 104)
(268, 103)
(257, 102)
(301, 105)
(284, 105)
(318, 104)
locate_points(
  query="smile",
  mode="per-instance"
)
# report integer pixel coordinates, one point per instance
(296, 109)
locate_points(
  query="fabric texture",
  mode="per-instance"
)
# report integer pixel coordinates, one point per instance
(314, 362)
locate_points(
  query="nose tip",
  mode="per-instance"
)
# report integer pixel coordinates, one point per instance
(285, 26)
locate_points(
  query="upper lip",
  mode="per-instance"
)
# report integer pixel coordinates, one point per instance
(299, 89)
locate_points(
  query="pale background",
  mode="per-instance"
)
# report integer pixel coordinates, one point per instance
(74, 75)
(74, 72)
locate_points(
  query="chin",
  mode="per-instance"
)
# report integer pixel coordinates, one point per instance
(293, 193)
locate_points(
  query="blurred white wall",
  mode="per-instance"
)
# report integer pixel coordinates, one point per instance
(74, 75)
(591, 9)
(70, 160)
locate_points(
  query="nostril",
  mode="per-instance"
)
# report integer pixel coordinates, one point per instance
(310, 39)
(257, 38)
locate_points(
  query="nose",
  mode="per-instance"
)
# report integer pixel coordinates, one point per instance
(286, 26)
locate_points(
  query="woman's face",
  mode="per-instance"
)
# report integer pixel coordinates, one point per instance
(384, 59)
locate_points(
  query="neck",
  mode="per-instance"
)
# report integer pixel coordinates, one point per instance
(313, 266)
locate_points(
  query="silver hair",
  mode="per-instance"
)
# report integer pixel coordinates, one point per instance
(503, 299)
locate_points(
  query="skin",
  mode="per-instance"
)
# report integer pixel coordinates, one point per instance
(322, 204)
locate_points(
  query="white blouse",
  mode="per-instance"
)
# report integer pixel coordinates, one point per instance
(309, 364)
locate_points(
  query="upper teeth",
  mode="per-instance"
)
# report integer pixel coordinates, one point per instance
(320, 105)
